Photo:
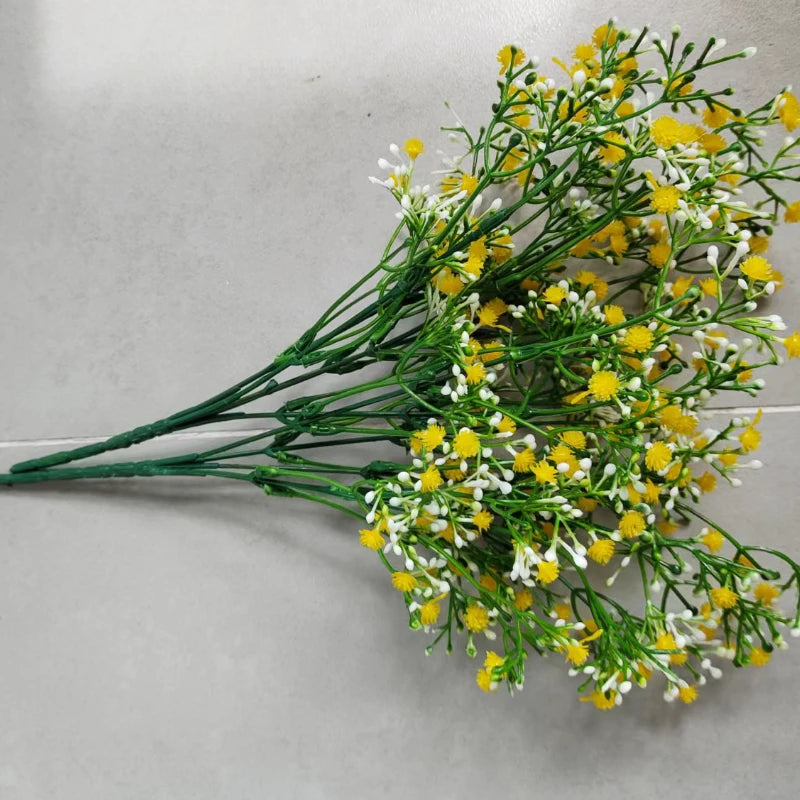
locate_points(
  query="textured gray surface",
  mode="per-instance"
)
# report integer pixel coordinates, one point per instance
(183, 184)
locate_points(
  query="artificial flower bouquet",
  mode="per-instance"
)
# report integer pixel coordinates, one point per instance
(549, 320)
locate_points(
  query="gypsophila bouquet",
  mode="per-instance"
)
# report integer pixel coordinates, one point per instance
(552, 315)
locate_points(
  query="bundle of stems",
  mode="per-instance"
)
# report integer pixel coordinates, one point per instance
(544, 415)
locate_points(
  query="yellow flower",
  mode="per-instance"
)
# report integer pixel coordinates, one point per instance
(604, 385)
(490, 312)
(554, 294)
(523, 119)
(599, 286)
(687, 694)
(615, 228)
(477, 249)
(674, 472)
(713, 540)
(431, 437)
(613, 315)
(475, 373)
(448, 282)
(672, 417)
(631, 524)
(600, 700)
(750, 438)
(476, 618)
(414, 148)
(731, 178)
(431, 479)
(792, 214)
(487, 316)
(403, 582)
(510, 56)
(585, 278)
(757, 268)
(658, 456)
(469, 183)
(466, 443)
(665, 199)
(666, 527)
(484, 680)
(659, 253)
(715, 116)
(604, 35)
(765, 593)
(562, 454)
(482, 520)
(524, 461)
(563, 611)
(448, 534)
(707, 482)
(713, 143)
(523, 600)
(625, 109)
(493, 660)
(449, 184)
(544, 472)
(709, 632)
(709, 287)
(639, 339)
(676, 84)
(723, 597)
(656, 230)
(626, 64)
(789, 112)
(602, 551)
(759, 657)
(473, 266)
(666, 132)
(651, 492)
(506, 425)
(547, 571)
(429, 613)
(613, 149)
(618, 244)
(792, 345)
(371, 538)
(490, 351)
(501, 249)
(575, 439)
(666, 641)
(681, 286)
(488, 582)
(582, 248)
(577, 652)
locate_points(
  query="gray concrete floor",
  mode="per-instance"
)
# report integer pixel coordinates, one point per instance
(184, 185)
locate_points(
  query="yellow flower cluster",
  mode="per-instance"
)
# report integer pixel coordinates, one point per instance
(564, 418)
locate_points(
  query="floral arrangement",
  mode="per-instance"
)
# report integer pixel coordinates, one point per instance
(551, 318)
